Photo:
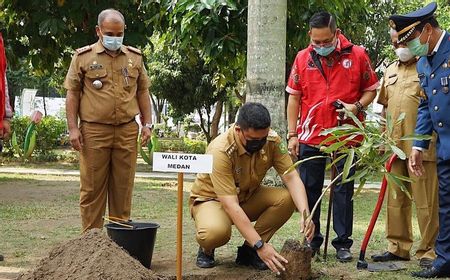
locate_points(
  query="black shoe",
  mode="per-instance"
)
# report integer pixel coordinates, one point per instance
(387, 257)
(1, 258)
(204, 260)
(431, 272)
(426, 263)
(315, 251)
(247, 256)
(344, 255)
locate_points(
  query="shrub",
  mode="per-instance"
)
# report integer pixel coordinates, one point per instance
(184, 145)
(49, 133)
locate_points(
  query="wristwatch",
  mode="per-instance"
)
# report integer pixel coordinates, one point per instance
(258, 245)
(149, 125)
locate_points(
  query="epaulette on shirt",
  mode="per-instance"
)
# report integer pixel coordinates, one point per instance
(135, 50)
(83, 49)
(230, 149)
(273, 136)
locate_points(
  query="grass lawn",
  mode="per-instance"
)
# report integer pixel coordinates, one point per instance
(37, 212)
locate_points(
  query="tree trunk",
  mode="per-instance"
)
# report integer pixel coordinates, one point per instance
(266, 58)
(216, 120)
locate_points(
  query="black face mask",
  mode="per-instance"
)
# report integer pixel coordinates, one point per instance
(253, 146)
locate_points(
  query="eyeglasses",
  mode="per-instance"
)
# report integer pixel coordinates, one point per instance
(324, 44)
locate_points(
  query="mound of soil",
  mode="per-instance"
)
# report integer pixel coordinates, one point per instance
(90, 256)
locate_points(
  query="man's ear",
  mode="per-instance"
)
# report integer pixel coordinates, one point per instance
(309, 33)
(97, 30)
(429, 28)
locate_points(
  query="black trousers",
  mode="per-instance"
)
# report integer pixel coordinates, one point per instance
(312, 173)
(442, 261)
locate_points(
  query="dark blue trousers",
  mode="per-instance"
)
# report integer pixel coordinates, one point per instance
(312, 173)
(442, 261)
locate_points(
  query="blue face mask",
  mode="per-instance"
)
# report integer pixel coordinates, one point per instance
(324, 49)
(112, 43)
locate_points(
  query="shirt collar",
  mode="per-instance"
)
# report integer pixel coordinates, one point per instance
(438, 44)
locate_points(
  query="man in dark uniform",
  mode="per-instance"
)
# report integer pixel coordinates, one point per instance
(421, 33)
(107, 87)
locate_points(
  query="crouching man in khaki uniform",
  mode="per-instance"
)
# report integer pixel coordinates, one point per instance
(232, 193)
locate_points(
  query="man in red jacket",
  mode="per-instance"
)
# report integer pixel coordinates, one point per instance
(5, 108)
(330, 69)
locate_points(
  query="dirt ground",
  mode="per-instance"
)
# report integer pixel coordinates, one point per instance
(39, 212)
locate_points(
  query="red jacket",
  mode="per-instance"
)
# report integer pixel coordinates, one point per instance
(345, 74)
(2, 80)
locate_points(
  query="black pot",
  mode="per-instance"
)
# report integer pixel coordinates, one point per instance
(138, 241)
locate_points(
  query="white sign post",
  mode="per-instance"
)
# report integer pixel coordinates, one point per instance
(181, 163)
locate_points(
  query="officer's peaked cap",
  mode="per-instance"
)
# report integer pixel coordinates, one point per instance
(406, 24)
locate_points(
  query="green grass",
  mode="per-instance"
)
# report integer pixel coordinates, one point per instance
(37, 212)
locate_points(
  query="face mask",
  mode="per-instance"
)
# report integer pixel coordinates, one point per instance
(253, 146)
(404, 54)
(324, 51)
(112, 43)
(417, 48)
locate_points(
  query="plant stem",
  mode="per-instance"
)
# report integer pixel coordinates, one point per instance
(327, 188)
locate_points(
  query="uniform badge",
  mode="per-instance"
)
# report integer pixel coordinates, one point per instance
(347, 63)
(366, 76)
(444, 81)
(97, 84)
(283, 148)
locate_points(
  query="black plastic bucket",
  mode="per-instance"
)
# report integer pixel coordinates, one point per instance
(138, 241)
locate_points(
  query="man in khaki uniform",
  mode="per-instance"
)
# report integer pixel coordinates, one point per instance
(232, 193)
(400, 93)
(107, 86)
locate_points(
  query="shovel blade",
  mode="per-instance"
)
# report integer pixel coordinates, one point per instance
(385, 266)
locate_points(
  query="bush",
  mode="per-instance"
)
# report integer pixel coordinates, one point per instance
(184, 145)
(49, 133)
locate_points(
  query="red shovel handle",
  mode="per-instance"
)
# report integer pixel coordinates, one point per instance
(377, 210)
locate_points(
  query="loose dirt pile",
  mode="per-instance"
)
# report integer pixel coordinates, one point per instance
(91, 256)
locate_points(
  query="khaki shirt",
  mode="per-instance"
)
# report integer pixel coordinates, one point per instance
(123, 77)
(401, 92)
(235, 172)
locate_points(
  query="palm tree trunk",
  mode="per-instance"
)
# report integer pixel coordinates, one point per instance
(266, 56)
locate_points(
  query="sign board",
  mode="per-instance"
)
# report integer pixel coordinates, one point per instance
(185, 163)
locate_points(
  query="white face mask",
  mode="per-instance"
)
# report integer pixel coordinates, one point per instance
(404, 54)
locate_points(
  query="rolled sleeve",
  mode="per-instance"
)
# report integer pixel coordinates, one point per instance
(369, 79)
(294, 85)
(143, 82)
(73, 77)
(281, 159)
(222, 175)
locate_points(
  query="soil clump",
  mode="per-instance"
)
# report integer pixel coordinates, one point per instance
(299, 258)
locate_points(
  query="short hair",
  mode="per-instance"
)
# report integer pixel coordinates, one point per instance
(253, 115)
(431, 20)
(323, 20)
(107, 13)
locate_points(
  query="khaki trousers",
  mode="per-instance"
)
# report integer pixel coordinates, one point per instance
(269, 207)
(107, 169)
(424, 191)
